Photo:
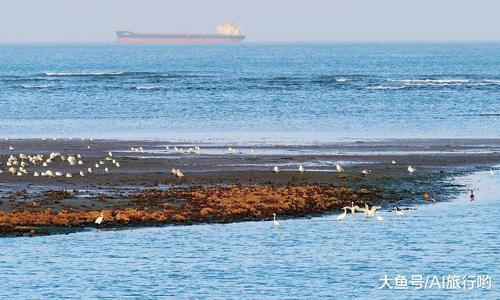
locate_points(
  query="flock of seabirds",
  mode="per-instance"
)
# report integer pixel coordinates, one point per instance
(18, 166)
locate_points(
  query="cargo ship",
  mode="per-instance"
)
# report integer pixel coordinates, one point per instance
(226, 33)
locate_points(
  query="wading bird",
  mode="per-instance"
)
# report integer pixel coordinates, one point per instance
(472, 196)
(99, 220)
(341, 217)
(276, 224)
(398, 211)
(370, 212)
(353, 208)
(301, 169)
(339, 168)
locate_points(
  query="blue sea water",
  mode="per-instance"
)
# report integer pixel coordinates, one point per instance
(304, 259)
(251, 91)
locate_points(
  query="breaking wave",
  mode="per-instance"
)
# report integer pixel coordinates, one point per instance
(83, 73)
(35, 86)
(141, 87)
(381, 87)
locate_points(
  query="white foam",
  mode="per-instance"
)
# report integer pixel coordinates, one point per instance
(431, 81)
(145, 87)
(492, 81)
(381, 87)
(81, 74)
(35, 86)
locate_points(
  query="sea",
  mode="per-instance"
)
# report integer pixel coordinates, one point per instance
(251, 92)
(272, 93)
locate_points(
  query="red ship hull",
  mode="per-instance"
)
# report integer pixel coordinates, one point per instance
(132, 37)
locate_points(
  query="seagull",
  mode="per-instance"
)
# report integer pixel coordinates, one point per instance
(341, 217)
(231, 150)
(393, 162)
(89, 170)
(11, 148)
(179, 173)
(82, 174)
(301, 169)
(398, 211)
(106, 170)
(173, 171)
(492, 172)
(411, 169)
(366, 172)
(276, 169)
(68, 175)
(276, 224)
(339, 168)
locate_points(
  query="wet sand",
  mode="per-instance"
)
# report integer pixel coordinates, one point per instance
(239, 186)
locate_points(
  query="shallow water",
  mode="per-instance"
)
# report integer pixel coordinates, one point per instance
(306, 258)
(251, 92)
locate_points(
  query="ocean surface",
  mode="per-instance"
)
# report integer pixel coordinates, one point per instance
(305, 258)
(251, 91)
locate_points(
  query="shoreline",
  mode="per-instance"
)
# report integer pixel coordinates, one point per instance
(240, 186)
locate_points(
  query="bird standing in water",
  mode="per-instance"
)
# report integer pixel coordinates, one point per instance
(472, 196)
(99, 220)
(276, 224)
(341, 217)
(398, 211)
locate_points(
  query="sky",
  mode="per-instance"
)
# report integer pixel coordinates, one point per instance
(261, 20)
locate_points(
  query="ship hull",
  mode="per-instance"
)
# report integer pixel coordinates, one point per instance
(131, 37)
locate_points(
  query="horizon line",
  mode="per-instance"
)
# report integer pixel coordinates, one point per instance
(261, 42)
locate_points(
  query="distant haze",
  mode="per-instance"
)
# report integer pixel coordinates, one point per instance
(264, 20)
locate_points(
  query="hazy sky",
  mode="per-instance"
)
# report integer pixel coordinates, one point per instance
(261, 20)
